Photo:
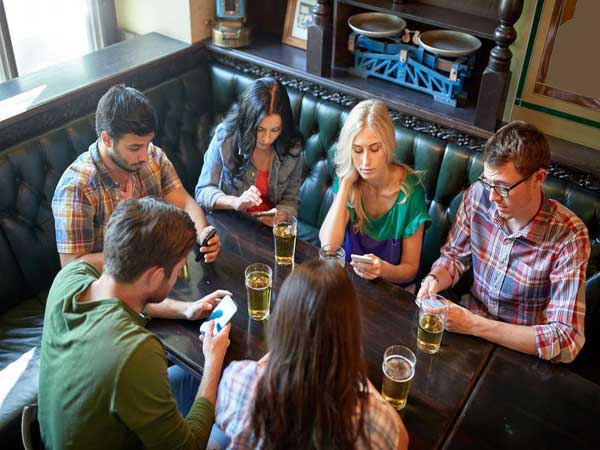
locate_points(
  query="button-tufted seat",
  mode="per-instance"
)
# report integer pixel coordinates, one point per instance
(188, 107)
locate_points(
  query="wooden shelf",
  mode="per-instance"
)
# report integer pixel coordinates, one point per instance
(480, 26)
(267, 50)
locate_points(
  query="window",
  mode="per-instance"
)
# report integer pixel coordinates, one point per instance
(35, 34)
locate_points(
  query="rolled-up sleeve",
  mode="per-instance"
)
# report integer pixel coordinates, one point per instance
(455, 255)
(208, 187)
(73, 212)
(561, 338)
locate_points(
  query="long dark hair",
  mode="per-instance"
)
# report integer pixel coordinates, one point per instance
(315, 379)
(263, 97)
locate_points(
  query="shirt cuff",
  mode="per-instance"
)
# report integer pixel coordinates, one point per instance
(450, 266)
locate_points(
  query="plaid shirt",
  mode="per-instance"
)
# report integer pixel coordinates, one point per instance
(86, 196)
(535, 276)
(236, 396)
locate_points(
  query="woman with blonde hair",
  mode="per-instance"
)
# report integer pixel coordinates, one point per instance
(379, 206)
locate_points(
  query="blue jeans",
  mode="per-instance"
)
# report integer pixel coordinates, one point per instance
(184, 388)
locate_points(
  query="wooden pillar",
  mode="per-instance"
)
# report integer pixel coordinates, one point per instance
(319, 41)
(496, 76)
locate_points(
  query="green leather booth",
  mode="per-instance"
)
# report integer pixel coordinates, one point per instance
(189, 106)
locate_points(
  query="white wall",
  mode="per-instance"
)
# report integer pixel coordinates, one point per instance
(168, 17)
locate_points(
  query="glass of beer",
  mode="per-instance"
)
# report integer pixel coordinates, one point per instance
(398, 369)
(259, 280)
(433, 311)
(285, 229)
(333, 253)
(184, 273)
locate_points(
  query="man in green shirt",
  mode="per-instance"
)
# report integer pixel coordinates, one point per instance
(103, 376)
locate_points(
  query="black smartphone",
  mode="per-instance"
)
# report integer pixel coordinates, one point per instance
(204, 243)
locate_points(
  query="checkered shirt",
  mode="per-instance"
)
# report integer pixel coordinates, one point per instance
(86, 196)
(236, 396)
(535, 276)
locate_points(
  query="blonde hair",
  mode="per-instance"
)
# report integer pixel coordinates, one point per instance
(372, 114)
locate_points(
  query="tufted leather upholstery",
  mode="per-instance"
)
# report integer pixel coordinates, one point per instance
(446, 171)
(188, 108)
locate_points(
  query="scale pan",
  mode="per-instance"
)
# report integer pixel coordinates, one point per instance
(376, 24)
(449, 43)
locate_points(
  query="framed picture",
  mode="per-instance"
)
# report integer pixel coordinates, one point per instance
(558, 90)
(297, 20)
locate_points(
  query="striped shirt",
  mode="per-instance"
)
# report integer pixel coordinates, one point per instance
(236, 396)
(534, 276)
(86, 196)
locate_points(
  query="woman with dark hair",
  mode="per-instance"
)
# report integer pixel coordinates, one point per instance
(253, 163)
(311, 390)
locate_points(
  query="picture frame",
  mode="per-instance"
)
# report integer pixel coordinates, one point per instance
(298, 18)
(554, 91)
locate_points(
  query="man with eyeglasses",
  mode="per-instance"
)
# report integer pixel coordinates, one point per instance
(528, 254)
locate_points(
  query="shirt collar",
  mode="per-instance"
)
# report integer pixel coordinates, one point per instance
(100, 166)
(535, 230)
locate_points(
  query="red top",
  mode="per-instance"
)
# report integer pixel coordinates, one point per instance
(262, 184)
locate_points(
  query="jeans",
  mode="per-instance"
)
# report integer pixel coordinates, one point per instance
(183, 387)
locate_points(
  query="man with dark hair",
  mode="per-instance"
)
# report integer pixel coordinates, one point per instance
(104, 381)
(122, 163)
(528, 254)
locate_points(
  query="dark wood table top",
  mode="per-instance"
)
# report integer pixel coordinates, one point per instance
(442, 382)
(524, 402)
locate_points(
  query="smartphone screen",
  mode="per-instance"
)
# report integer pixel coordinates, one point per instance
(361, 258)
(222, 314)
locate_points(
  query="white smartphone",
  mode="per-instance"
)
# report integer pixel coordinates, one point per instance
(222, 314)
(362, 258)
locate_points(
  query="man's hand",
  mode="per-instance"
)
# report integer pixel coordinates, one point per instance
(213, 248)
(429, 286)
(249, 198)
(215, 347)
(459, 319)
(203, 307)
(368, 271)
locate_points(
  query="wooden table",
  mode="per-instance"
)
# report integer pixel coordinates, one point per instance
(524, 402)
(442, 383)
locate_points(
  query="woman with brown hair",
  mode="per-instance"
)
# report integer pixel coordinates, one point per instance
(311, 390)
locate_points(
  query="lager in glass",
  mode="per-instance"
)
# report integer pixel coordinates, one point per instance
(433, 310)
(398, 369)
(284, 233)
(259, 280)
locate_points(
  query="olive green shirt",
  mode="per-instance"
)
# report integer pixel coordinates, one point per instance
(103, 376)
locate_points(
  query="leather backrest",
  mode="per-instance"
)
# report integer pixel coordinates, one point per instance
(188, 107)
(446, 170)
(29, 173)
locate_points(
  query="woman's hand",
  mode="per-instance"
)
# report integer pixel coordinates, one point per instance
(249, 198)
(350, 179)
(266, 217)
(368, 270)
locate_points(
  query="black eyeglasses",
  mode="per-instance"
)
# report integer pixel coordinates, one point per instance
(502, 191)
